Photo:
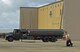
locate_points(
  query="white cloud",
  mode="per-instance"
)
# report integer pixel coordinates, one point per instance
(42, 5)
(9, 20)
(57, 0)
(7, 2)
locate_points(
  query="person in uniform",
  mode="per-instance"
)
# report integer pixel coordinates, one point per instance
(66, 37)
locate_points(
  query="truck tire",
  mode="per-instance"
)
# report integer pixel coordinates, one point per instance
(53, 39)
(45, 39)
(10, 39)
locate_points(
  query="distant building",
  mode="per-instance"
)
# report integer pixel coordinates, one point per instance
(44, 17)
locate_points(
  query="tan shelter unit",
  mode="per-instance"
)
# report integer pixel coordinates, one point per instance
(72, 18)
(28, 18)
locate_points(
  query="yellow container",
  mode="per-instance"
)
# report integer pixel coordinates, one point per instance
(50, 16)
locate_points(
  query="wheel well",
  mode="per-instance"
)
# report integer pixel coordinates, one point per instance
(8, 37)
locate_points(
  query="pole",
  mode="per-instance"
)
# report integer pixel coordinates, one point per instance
(61, 11)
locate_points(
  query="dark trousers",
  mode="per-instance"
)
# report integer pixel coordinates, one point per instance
(69, 43)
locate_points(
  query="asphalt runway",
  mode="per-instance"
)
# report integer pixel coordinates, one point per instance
(37, 46)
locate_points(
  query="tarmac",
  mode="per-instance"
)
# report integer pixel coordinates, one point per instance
(37, 46)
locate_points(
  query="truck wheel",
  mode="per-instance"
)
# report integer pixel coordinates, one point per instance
(53, 39)
(10, 39)
(45, 39)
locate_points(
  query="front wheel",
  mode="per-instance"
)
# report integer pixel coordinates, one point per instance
(45, 39)
(10, 39)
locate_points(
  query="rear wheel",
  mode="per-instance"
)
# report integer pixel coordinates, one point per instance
(10, 39)
(45, 39)
(53, 39)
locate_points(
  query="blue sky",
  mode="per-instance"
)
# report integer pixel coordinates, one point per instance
(10, 11)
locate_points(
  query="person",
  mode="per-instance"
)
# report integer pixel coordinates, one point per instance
(66, 37)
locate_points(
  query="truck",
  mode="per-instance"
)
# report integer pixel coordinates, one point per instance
(46, 35)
